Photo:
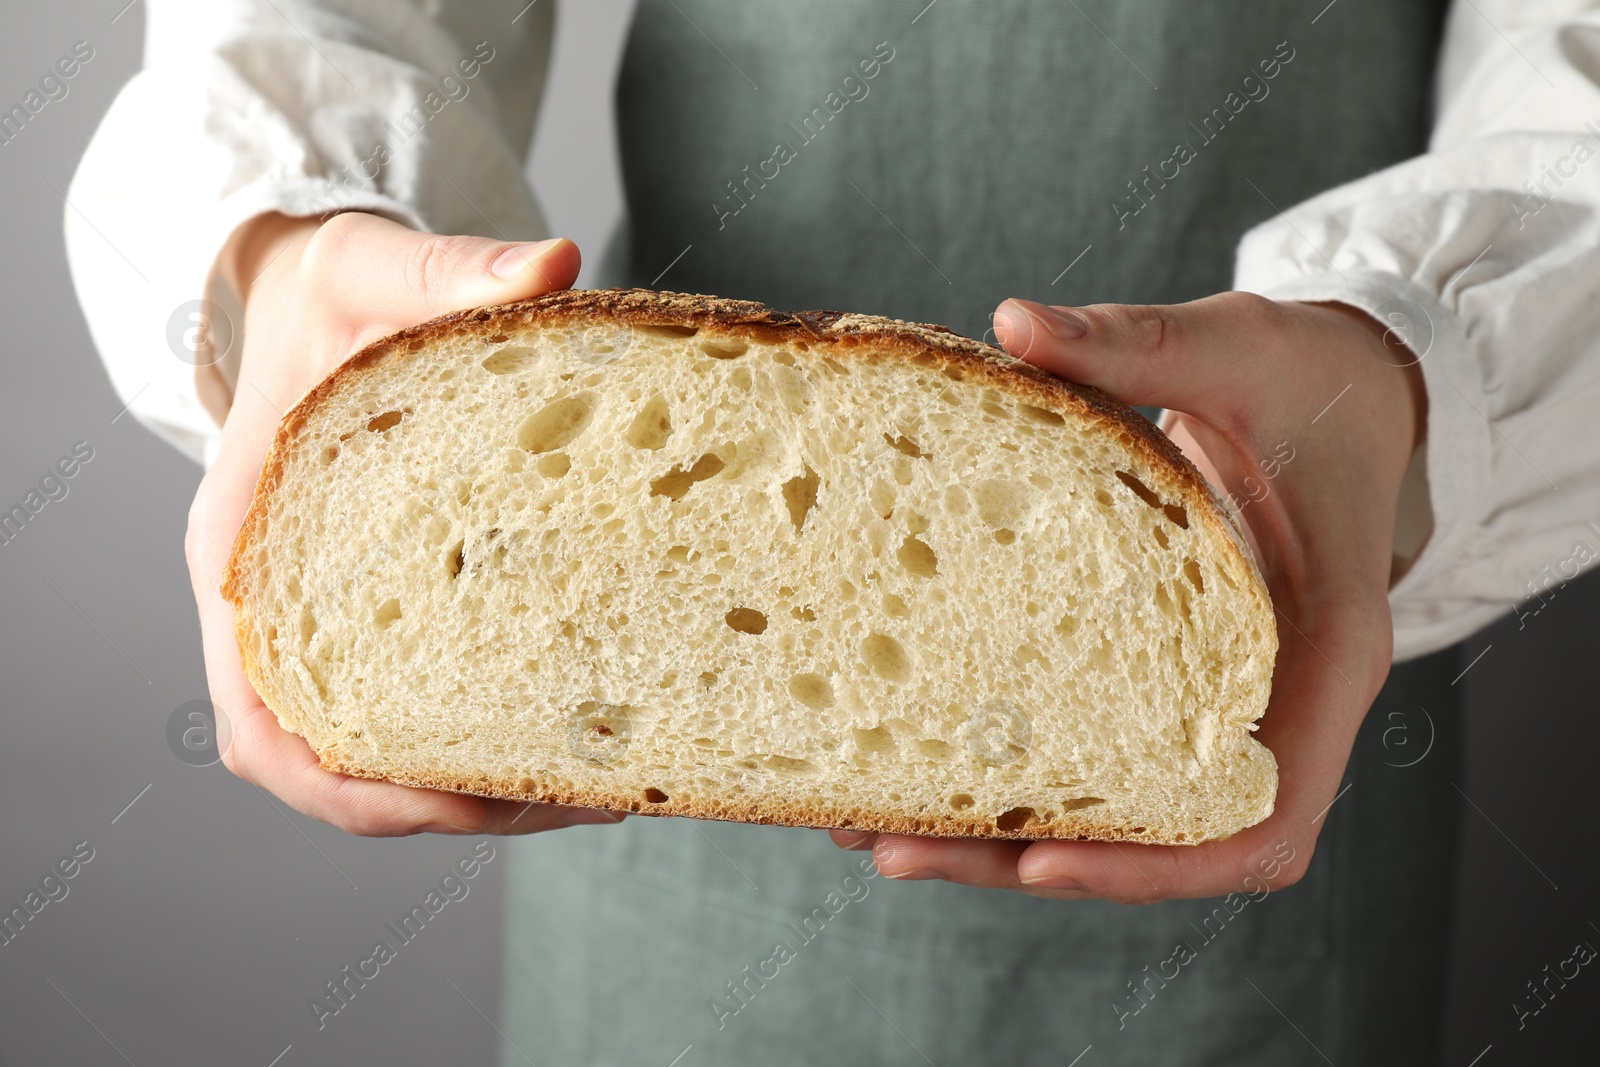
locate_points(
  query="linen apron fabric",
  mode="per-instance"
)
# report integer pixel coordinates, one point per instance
(992, 149)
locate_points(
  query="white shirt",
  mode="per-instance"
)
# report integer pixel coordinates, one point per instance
(1484, 252)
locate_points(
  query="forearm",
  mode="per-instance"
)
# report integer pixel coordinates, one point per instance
(1481, 255)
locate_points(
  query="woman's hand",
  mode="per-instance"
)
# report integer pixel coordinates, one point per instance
(1307, 416)
(315, 294)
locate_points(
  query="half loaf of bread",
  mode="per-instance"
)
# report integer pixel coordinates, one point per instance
(692, 556)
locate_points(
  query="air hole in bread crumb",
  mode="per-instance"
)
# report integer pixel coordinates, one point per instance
(1140, 490)
(387, 615)
(895, 608)
(886, 657)
(455, 560)
(509, 360)
(954, 373)
(330, 454)
(655, 796)
(724, 347)
(1005, 537)
(555, 425)
(1103, 498)
(652, 427)
(1191, 569)
(905, 444)
(1161, 536)
(812, 690)
(498, 339)
(555, 465)
(804, 614)
(708, 678)
(788, 764)
(1179, 516)
(935, 749)
(1042, 415)
(1001, 501)
(676, 483)
(386, 421)
(917, 558)
(881, 494)
(800, 494)
(1010, 822)
(961, 801)
(877, 741)
(746, 621)
(669, 329)
(1082, 802)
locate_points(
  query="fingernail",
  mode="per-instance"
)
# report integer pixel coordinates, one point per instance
(857, 840)
(590, 816)
(920, 874)
(1061, 323)
(445, 828)
(1006, 327)
(1059, 881)
(513, 261)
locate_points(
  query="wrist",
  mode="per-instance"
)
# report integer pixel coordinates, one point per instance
(263, 249)
(1399, 370)
(1399, 423)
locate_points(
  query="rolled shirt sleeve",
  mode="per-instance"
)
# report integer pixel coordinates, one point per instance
(418, 111)
(1484, 255)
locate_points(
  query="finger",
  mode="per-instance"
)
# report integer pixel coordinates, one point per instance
(1269, 856)
(989, 864)
(853, 840)
(507, 817)
(983, 864)
(1200, 357)
(401, 277)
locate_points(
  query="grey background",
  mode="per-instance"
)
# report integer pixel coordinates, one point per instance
(210, 912)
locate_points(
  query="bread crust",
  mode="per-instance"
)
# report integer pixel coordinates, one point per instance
(1065, 825)
(842, 333)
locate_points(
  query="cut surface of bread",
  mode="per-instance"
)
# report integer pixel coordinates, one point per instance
(691, 556)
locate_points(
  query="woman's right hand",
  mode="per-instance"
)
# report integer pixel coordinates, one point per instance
(314, 294)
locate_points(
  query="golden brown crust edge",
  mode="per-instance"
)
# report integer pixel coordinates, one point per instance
(820, 815)
(841, 331)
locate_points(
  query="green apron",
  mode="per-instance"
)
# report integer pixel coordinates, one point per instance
(870, 158)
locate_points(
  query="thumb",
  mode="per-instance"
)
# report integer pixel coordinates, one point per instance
(396, 274)
(1196, 357)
